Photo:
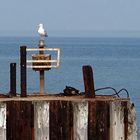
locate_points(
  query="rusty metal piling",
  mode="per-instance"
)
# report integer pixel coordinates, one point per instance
(13, 79)
(23, 71)
(88, 81)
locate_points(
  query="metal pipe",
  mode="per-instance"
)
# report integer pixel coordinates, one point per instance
(40, 61)
(52, 66)
(58, 57)
(43, 49)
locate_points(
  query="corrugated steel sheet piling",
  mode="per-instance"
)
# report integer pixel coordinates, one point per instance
(12, 79)
(23, 71)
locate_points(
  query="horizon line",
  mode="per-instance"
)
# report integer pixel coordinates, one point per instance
(74, 33)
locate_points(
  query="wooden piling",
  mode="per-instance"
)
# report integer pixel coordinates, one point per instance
(61, 115)
(98, 120)
(55, 117)
(23, 71)
(41, 120)
(80, 120)
(67, 118)
(88, 81)
(12, 79)
(20, 120)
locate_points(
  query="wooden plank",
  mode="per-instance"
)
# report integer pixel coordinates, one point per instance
(41, 120)
(98, 120)
(80, 120)
(2, 121)
(116, 121)
(88, 81)
(11, 120)
(20, 120)
(102, 120)
(61, 120)
(92, 120)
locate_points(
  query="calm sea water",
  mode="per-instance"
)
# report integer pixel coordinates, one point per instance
(115, 61)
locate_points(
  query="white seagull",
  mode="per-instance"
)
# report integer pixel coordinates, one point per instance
(42, 31)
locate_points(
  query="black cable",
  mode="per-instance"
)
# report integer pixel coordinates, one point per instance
(116, 93)
(123, 89)
(104, 88)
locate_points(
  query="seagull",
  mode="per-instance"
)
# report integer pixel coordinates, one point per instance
(42, 31)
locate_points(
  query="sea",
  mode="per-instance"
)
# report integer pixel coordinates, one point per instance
(115, 63)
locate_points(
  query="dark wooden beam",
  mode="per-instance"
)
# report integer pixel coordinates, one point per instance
(61, 120)
(23, 71)
(88, 81)
(92, 120)
(12, 79)
(20, 120)
(124, 104)
(98, 120)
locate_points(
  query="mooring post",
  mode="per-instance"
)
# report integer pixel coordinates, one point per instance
(23, 71)
(88, 81)
(12, 79)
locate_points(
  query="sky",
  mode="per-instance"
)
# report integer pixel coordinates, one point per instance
(70, 17)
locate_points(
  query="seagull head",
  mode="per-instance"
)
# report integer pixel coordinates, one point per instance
(40, 25)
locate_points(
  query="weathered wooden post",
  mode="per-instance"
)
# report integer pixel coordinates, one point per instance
(12, 79)
(88, 81)
(23, 71)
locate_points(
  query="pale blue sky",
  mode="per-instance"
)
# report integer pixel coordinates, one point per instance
(69, 16)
